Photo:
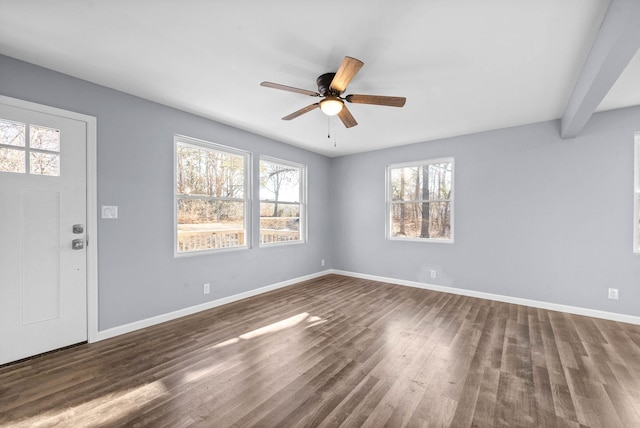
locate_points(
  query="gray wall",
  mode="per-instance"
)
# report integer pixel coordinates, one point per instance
(138, 274)
(536, 217)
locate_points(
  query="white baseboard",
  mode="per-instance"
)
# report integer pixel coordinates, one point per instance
(499, 298)
(148, 322)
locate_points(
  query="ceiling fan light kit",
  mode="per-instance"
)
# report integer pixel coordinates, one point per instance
(330, 89)
(331, 105)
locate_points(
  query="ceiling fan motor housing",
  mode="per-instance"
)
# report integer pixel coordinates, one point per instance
(324, 82)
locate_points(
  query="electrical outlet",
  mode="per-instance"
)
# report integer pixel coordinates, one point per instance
(206, 289)
(614, 294)
(434, 274)
(322, 262)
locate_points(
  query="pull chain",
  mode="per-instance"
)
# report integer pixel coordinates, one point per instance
(329, 132)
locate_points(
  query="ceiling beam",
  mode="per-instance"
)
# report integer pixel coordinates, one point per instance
(617, 42)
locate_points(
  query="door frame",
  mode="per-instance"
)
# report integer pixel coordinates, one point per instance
(92, 202)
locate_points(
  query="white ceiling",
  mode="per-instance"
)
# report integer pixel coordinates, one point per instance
(464, 65)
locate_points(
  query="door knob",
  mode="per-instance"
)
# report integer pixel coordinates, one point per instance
(77, 244)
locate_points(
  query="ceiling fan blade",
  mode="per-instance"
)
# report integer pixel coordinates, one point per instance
(289, 88)
(346, 117)
(302, 111)
(379, 100)
(348, 69)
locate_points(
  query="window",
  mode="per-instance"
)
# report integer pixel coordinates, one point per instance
(282, 202)
(636, 196)
(211, 196)
(420, 201)
(37, 153)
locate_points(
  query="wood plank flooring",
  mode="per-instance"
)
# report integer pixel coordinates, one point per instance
(339, 351)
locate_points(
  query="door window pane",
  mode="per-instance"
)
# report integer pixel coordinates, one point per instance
(12, 133)
(12, 160)
(41, 156)
(44, 163)
(44, 138)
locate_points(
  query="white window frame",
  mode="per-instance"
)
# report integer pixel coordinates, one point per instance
(303, 201)
(636, 194)
(247, 190)
(389, 201)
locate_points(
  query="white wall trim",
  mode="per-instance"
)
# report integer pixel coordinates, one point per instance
(636, 192)
(148, 322)
(612, 316)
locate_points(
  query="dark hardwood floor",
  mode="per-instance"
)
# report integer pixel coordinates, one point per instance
(339, 351)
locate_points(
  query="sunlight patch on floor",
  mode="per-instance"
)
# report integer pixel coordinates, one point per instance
(276, 326)
(225, 343)
(273, 328)
(109, 408)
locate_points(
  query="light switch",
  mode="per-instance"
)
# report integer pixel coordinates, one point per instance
(109, 211)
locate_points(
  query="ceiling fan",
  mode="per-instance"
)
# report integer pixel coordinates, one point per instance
(330, 88)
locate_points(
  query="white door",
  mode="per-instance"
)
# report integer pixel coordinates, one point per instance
(43, 260)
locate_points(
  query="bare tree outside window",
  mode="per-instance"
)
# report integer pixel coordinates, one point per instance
(40, 150)
(210, 197)
(281, 202)
(421, 198)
